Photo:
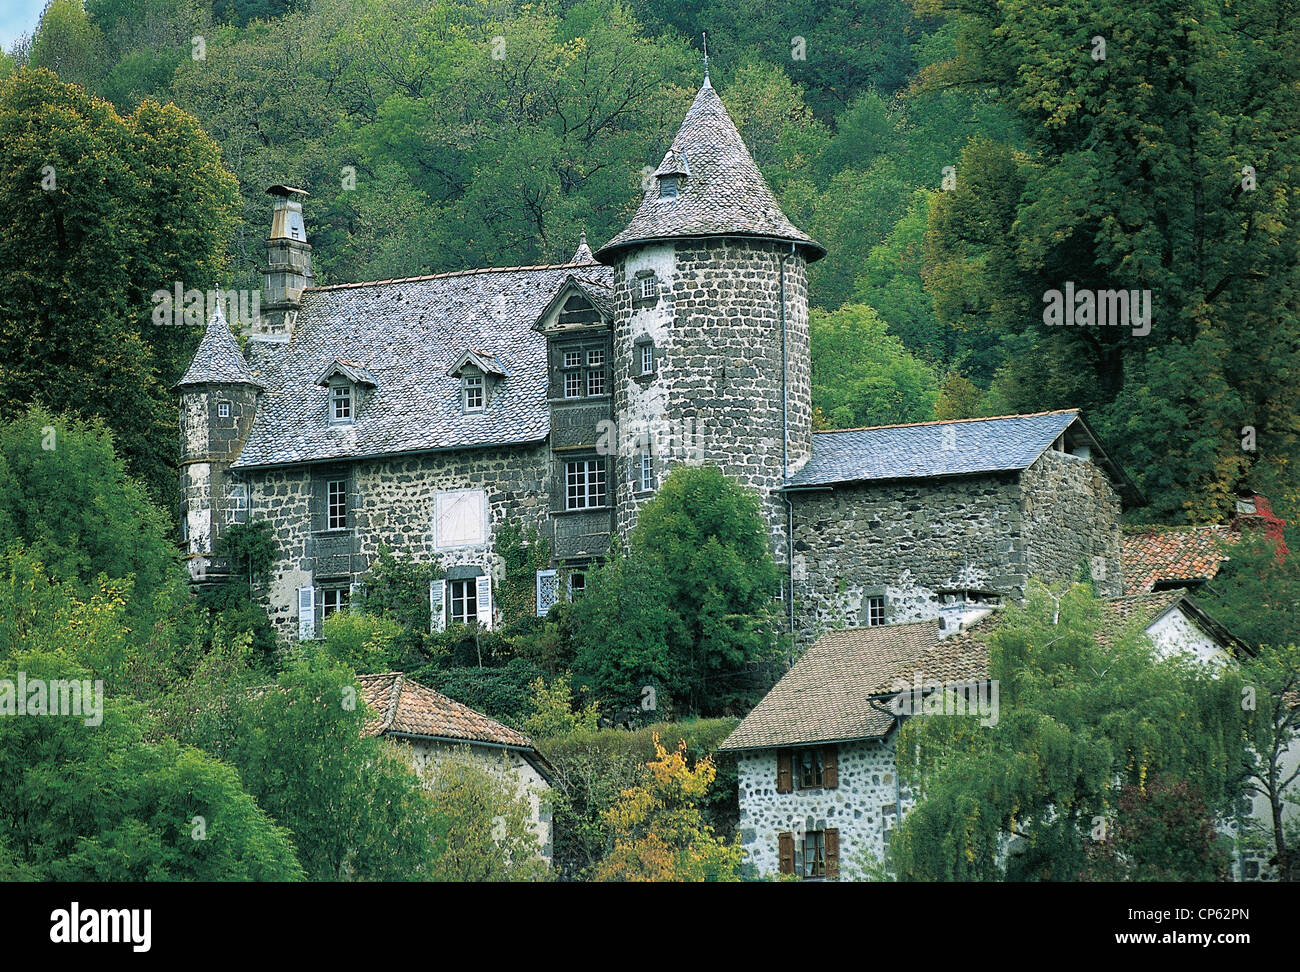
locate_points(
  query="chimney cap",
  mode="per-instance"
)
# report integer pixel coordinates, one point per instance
(279, 190)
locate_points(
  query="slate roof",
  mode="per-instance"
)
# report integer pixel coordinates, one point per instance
(405, 706)
(1181, 554)
(825, 696)
(724, 195)
(218, 359)
(1005, 444)
(405, 334)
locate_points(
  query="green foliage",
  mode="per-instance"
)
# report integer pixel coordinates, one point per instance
(1256, 594)
(863, 375)
(1272, 685)
(1069, 729)
(689, 612)
(482, 828)
(1163, 832)
(68, 43)
(502, 692)
(103, 210)
(363, 642)
(67, 498)
(250, 549)
(524, 554)
(553, 710)
(397, 588)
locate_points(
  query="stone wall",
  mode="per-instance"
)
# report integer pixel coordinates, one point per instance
(716, 328)
(392, 502)
(1071, 518)
(903, 541)
(862, 807)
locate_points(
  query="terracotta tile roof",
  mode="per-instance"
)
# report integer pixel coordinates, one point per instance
(1172, 554)
(826, 696)
(402, 705)
(724, 193)
(218, 358)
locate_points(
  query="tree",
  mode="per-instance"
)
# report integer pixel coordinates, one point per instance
(659, 832)
(1162, 832)
(553, 710)
(1068, 732)
(68, 43)
(1257, 592)
(1143, 169)
(689, 612)
(863, 375)
(482, 829)
(1271, 700)
(97, 212)
(66, 496)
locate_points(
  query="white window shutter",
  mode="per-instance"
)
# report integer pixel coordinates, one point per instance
(546, 588)
(437, 600)
(484, 590)
(356, 594)
(306, 613)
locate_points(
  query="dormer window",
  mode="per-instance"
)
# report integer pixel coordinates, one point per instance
(472, 392)
(667, 186)
(341, 409)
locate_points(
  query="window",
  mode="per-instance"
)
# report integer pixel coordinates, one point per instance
(596, 382)
(462, 600)
(337, 492)
(814, 854)
(473, 392)
(547, 589)
(460, 518)
(667, 187)
(646, 473)
(223, 409)
(333, 599)
(577, 584)
(595, 358)
(340, 403)
(647, 358)
(649, 288)
(573, 384)
(585, 483)
(572, 359)
(808, 769)
(875, 611)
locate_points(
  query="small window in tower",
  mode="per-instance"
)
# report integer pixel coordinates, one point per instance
(340, 403)
(667, 186)
(649, 288)
(647, 359)
(223, 409)
(875, 611)
(473, 393)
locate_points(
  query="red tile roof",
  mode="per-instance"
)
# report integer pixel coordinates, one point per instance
(1178, 554)
(402, 705)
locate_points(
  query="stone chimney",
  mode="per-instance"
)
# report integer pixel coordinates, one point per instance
(288, 264)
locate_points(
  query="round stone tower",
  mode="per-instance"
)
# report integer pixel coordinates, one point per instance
(218, 402)
(711, 360)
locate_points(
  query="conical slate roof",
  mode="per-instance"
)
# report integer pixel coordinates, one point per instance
(723, 195)
(218, 360)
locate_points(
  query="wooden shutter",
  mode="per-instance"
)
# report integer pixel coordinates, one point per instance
(831, 841)
(483, 589)
(306, 613)
(547, 584)
(785, 852)
(318, 502)
(784, 771)
(830, 767)
(437, 600)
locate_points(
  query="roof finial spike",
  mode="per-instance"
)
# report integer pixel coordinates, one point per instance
(705, 35)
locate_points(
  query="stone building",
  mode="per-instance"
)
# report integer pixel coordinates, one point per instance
(426, 413)
(819, 788)
(432, 725)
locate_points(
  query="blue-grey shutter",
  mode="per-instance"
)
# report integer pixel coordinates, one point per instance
(437, 602)
(356, 594)
(547, 584)
(306, 613)
(483, 588)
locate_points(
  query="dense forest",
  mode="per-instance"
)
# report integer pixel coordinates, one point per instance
(959, 161)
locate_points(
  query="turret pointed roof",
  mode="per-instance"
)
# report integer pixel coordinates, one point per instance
(218, 359)
(583, 253)
(722, 193)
